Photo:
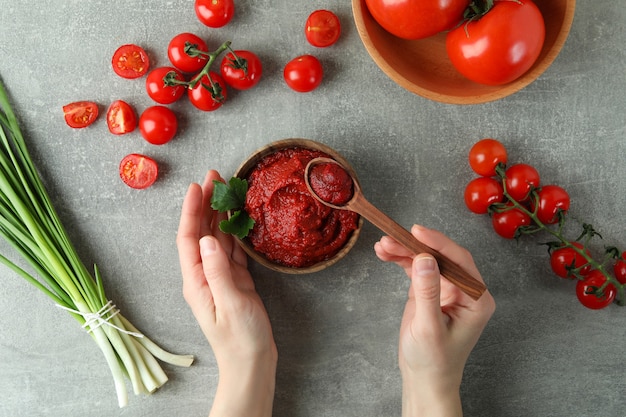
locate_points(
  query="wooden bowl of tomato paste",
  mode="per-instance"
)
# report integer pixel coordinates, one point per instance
(424, 67)
(293, 232)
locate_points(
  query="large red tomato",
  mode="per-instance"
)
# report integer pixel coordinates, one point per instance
(500, 46)
(417, 19)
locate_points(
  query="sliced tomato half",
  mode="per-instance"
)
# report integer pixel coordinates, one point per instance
(130, 61)
(121, 118)
(138, 171)
(80, 114)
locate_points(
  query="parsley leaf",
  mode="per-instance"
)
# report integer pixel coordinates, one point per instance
(232, 196)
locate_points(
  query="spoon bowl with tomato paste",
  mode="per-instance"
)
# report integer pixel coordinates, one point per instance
(293, 232)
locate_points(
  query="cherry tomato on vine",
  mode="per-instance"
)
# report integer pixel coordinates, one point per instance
(158, 125)
(215, 13)
(303, 73)
(241, 70)
(564, 260)
(138, 171)
(80, 114)
(482, 192)
(499, 46)
(206, 96)
(509, 223)
(619, 269)
(322, 28)
(553, 203)
(521, 179)
(121, 118)
(130, 61)
(485, 155)
(176, 52)
(410, 19)
(587, 291)
(159, 91)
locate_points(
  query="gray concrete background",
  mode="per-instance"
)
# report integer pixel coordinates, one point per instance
(542, 354)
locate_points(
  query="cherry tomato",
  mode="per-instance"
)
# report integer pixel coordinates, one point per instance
(121, 118)
(565, 259)
(158, 125)
(206, 96)
(410, 19)
(586, 291)
(80, 114)
(620, 269)
(215, 13)
(130, 61)
(138, 171)
(241, 70)
(553, 203)
(508, 223)
(481, 193)
(500, 46)
(322, 28)
(181, 59)
(485, 155)
(303, 73)
(521, 179)
(157, 88)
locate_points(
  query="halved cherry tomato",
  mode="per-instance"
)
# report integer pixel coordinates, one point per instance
(303, 73)
(158, 125)
(521, 179)
(485, 155)
(130, 61)
(138, 171)
(482, 192)
(589, 294)
(215, 13)
(159, 90)
(620, 269)
(241, 70)
(322, 28)
(176, 52)
(121, 118)
(510, 223)
(206, 96)
(565, 260)
(553, 203)
(80, 114)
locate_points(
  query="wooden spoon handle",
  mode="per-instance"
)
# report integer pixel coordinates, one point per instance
(450, 270)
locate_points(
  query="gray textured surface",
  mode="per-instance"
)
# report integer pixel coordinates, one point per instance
(541, 355)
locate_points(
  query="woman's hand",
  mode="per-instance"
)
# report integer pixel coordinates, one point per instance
(440, 326)
(220, 291)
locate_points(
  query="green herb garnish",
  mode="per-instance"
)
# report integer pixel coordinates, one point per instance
(232, 197)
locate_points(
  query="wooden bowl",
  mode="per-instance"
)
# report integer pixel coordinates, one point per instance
(246, 167)
(423, 67)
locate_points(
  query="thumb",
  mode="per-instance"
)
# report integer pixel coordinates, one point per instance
(216, 267)
(426, 288)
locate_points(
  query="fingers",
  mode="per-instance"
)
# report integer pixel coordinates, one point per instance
(217, 270)
(426, 288)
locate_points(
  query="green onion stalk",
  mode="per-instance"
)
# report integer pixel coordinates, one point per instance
(30, 224)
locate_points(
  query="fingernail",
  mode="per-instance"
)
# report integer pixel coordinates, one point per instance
(424, 265)
(207, 245)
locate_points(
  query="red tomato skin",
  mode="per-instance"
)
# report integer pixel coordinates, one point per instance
(138, 171)
(322, 28)
(561, 258)
(80, 114)
(237, 77)
(499, 47)
(303, 74)
(160, 92)
(417, 19)
(215, 13)
(130, 61)
(507, 223)
(485, 155)
(158, 125)
(521, 179)
(178, 57)
(619, 269)
(482, 192)
(201, 97)
(585, 288)
(121, 118)
(552, 200)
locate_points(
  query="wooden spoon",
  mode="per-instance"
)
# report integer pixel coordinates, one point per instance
(358, 204)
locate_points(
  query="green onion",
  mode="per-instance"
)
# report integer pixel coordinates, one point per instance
(30, 224)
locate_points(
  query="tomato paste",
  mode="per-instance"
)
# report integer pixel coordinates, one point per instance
(291, 227)
(331, 183)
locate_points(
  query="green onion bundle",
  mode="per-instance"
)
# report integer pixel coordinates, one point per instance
(30, 224)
